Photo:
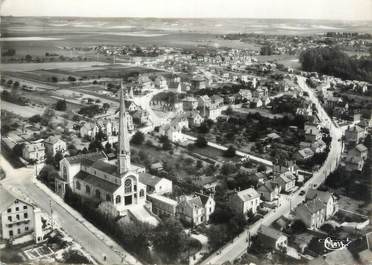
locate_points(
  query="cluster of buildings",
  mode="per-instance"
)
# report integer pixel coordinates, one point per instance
(355, 153)
(135, 194)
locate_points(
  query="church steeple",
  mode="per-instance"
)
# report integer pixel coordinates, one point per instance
(124, 147)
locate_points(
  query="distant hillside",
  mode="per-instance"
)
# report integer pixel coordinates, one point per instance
(332, 61)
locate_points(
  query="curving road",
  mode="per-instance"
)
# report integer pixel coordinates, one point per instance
(236, 248)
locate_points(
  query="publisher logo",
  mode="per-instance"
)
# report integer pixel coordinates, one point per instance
(335, 244)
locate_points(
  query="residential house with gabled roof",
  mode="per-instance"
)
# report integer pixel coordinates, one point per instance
(175, 86)
(328, 199)
(304, 154)
(312, 134)
(359, 151)
(311, 213)
(156, 185)
(34, 151)
(195, 119)
(287, 181)
(354, 163)
(245, 201)
(271, 238)
(204, 101)
(162, 206)
(19, 218)
(53, 145)
(195, 209)
(269, 190)
(318, 146)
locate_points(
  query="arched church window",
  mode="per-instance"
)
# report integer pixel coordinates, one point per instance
(128, 186)
(118, 199)
(98, 194)
(87, 189)
(142, 193)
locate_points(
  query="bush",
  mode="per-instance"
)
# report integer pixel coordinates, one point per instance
(230, 152)
(138, 138)
(61, 105)
(201, 142)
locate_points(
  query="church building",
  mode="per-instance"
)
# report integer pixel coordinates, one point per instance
(93, 176)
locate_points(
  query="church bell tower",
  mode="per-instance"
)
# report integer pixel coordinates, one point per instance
(124, 147)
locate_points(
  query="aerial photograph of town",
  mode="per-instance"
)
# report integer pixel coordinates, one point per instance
(192, 132)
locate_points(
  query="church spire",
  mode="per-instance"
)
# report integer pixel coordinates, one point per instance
(124, 148)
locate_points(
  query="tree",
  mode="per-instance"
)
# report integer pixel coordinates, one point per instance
(199, 164)
(230, 152)
(76, 118)
(71, 79)
(201, 142)
(106, 107)
(108, 148)
(35, 119)
(18, 149)
(267, 49)
(61, 105)
(16, 84)
(58, 157)
(170, 239)
(217, 235)
(138, 138)
(54, 79)
(28, 58)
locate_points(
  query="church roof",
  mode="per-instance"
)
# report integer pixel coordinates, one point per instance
(87, 159)
(105, 167)
(96, 182)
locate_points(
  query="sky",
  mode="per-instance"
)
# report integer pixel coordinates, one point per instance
(296, 9)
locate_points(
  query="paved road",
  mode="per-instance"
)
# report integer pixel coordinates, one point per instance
(21, 181)
(235, 249)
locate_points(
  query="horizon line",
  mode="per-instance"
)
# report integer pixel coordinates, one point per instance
(149, 17)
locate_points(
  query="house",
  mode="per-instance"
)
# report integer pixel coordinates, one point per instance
(328, 199)
(139, 117)
(360, 151)
(178, 107)
(198, 83)
(189, 104)
(245, 94)
(271, 238)
(312, 134)
(161, 82)
(155, 184)
(175, 86)
(212, 112)
(217, 100)
(354, 134)
(304, 154)
(132, 106)
(157, 167)
(161, 205)
(287, 181)
(269, 191)
(53, 145)
(34, 151)
(195, 119)
(256, 103)
(19, 218)
(245, 201)
(195, 209)
(354, 163)
(318, 146)
(311, 213)
(204, 101)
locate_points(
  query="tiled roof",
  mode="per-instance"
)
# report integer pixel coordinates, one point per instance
(270, 232)
(361, 148)
(317, 194)
(248, 194)
(148, 179)
(88, 158)
(6, 199)
(313, 206)
(96, 182)
(105, 167)
(204, 198)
